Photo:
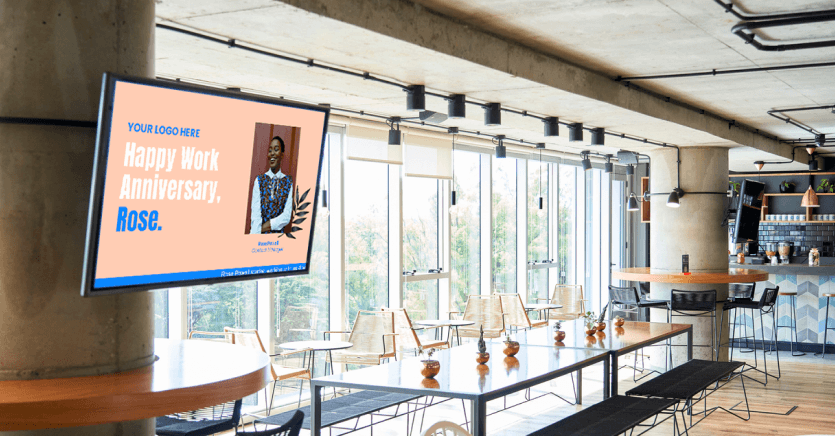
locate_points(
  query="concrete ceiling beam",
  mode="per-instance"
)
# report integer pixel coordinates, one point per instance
(415, 24)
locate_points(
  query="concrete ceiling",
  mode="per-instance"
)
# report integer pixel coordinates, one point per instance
(605, 38)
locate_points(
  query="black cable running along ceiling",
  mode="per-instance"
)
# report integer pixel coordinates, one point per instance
(745, 29)
(232, 43)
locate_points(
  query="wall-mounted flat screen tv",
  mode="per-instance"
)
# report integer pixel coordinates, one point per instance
(747, 224)
(194, 185)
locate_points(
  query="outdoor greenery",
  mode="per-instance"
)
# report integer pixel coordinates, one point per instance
(504, 225)
(465, 220)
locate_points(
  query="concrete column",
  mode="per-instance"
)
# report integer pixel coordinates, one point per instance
(694, 228)
(54, 54)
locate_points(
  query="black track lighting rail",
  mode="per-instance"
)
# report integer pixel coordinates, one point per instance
(715, 72)
(232, 43)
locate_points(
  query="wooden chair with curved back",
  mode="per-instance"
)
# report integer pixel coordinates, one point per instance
(570, 297)
(373, 339)
(407, 337)
(251, 338)
(515, 314)
(486, 311)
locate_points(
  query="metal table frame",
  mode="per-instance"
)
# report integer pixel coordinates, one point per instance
(478, 406)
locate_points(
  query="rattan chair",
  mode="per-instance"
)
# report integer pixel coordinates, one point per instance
(373, 337)
(570, 297)
(485, 311)
(407, 338)
(298, 323)
(251, 338)
(515, 314)
(446, 428)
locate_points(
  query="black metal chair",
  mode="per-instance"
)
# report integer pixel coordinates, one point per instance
(694, 304)
(203, 422)
(765, 305)
(627, 299)
(742, 292)
(290, 428)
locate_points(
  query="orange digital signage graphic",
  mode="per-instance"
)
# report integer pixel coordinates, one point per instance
(200, 186)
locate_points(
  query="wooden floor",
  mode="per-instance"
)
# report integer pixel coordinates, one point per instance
(806, 382)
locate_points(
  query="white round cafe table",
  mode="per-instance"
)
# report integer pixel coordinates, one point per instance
(315, 346)
(449, 323)
(539, 307)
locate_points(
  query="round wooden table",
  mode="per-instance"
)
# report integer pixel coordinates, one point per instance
(733, 275)
(188, 375)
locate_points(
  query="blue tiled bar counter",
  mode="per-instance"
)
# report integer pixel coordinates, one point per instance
(809, 282)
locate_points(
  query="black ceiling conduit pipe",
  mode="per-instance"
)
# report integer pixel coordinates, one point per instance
(786, 119)
(750, 38)
(729, 8)
(715, 72)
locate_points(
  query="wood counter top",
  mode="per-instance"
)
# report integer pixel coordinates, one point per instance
(733, 275)
(188, 375)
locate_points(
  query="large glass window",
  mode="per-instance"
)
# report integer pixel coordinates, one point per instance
(420, 245)
(537, 229)
(504, 225)
(213, 307)
(567, 222)
(465, 221)
(301, 302)
(366, 236)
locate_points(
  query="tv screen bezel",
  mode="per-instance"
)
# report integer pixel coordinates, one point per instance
(738, 225)
(91, 243)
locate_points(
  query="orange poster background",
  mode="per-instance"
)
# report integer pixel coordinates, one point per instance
(197, 235)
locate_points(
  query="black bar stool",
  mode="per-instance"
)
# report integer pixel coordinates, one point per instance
(765, 305)
(792, 295)
(826, 327)
(627, 299)
(736, 291)
(695, 304)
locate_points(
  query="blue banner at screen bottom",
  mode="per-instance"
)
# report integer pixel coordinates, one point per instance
(243, 273)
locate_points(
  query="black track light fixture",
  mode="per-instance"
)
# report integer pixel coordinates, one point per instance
(586, 162)
(394, 132)
(598, 136)
(608, 167)
(501, 150)
(552, 126)
(540, 145)
(672, 200)
(632, 203)
(575, 132)
(416, 98)
(453, 196)
(457, 106)
(493, 114)
(813, 163)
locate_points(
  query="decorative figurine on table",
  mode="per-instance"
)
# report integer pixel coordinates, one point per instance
(590, 323)
(619, 321)
(510, 347)
(600, 325)
(483, 356)
(431, 368)
(559, 335)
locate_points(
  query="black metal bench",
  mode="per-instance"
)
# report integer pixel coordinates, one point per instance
(613, 416)
(349, 407)
(690, 383)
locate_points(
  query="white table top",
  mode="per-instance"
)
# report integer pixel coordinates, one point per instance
(316, 345)
(444, 322)
(542, 306)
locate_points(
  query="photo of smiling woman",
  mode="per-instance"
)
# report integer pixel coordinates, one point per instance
(271, 180)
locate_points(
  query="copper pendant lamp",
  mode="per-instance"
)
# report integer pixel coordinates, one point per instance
(810, 199)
